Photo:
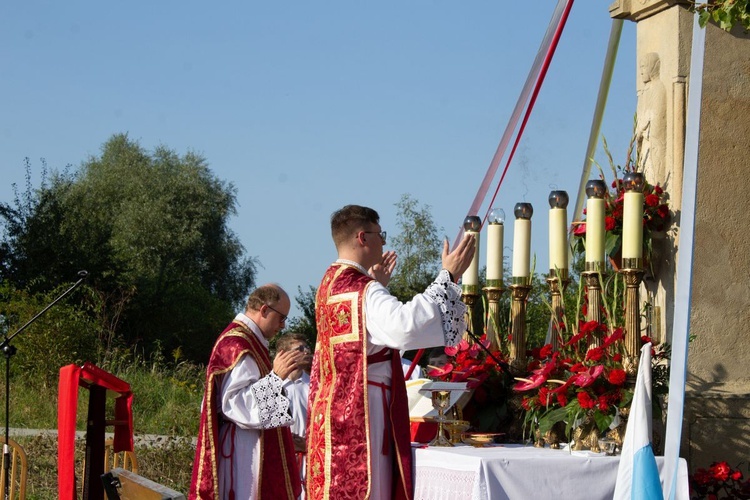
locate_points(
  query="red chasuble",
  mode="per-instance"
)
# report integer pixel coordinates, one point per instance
(279, 475)
(339, 445)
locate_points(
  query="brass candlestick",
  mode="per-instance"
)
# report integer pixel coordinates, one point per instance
(469, 295)
(557, 280)
(494, 291)
(633, 272)
(592, 277)
(520, 291)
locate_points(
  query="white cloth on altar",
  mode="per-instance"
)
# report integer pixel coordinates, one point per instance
(253, 403)
(417, 324)
(517, 471)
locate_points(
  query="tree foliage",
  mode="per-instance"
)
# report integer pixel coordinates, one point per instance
(725, 13)
(305, 324)
(418, 247)
(151, 229)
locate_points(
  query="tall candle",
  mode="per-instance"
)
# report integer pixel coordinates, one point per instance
(595, 233)
(522, 240)
(632, 217)
(558, 230)
(632, 225)
(471, 275)
(495, 231)
(472, 224)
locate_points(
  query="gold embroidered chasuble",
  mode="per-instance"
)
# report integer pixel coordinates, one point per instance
(339, 443)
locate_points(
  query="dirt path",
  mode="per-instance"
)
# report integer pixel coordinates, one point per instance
(145, 440)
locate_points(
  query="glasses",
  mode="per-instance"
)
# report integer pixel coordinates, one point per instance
(302, 348)
(283, 316)
(382, 234)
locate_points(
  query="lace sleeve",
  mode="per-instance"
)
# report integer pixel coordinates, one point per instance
(447, 295)
(273, 405)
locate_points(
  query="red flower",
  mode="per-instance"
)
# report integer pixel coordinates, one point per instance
(617, 376)
(617, 357)
(595, 354)
(609, 223)
(579, 229)
(652, 200)
(546, 351)
(586, 378)
(602, 403)
(584, 399)
(720, 471)
(658, 189)
(562, 399)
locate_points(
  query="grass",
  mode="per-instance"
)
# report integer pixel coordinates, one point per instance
(166, 402)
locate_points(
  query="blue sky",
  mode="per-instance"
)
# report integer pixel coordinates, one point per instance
(308, 106)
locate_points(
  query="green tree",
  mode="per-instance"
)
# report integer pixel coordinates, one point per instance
(418, 247)
(305, 324)
(151, 229)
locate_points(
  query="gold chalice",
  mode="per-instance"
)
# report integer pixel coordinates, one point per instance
(441, 401)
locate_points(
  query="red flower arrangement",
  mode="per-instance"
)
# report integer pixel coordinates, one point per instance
(566, 384)
(719, 481)
(469, 362)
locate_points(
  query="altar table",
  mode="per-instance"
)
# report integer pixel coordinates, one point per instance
(518, 472)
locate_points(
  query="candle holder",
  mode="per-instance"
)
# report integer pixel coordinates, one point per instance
(494, 290)
(558, 281)
(469, 295)
(632, 272)
(520, 291)
(592, 277)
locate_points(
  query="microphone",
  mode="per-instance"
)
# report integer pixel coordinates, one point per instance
(83, 274)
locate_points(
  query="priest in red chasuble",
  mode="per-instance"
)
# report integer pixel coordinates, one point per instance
(245, 449)
(358, 442)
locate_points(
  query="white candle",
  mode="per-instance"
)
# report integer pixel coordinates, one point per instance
(558, 238)
(521, 248)
(632, 225)
(595, 230)
(495, 250)
(471, 275)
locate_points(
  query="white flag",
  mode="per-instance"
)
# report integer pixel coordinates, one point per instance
(637, 474)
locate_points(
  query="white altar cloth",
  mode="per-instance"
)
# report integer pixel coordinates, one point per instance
(518, 472)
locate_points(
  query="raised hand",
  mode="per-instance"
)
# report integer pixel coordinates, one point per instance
(459, 260)
(383, 270)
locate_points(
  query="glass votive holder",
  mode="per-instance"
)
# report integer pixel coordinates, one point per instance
(608, 446)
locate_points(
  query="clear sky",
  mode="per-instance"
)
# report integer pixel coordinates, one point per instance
(308, 106)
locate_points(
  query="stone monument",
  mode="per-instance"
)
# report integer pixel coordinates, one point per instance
(716, 423)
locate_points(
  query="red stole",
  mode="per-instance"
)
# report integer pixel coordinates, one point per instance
(279, 475)
(338, 412)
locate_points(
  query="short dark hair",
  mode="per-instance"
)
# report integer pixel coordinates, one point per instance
(264, 295)
(346, 221)
(285, 341)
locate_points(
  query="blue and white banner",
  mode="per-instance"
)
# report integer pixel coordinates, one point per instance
(637, 474)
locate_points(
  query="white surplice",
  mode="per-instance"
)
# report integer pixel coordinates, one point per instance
(252, 403)
(298, 392)
(433, 318)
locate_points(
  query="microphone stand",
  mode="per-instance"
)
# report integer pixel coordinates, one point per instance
(501, 364)
(9, 350)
